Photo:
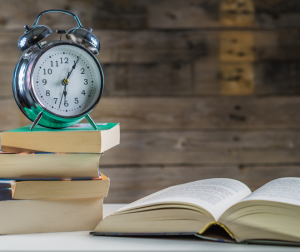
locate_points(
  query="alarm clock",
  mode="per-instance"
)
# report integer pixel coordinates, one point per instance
(57, 83)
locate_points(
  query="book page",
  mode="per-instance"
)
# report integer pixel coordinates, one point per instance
(215, 195)
(286, 190)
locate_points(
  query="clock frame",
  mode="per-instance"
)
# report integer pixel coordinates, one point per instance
(24, 94)
(32, 48)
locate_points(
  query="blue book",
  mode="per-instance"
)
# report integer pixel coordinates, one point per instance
(5, 190)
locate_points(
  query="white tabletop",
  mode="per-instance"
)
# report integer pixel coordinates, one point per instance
(82, 241)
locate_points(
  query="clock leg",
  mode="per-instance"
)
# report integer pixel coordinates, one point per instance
(36, 120)
(90, 120)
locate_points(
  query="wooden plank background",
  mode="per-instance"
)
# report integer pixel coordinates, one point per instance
(201, 88)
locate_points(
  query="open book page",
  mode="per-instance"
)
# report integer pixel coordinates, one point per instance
(286, 190)
(215, 195)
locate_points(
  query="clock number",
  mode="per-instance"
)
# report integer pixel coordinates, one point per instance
(44, 81)
(66, 103)
(49, 71)
(83, 92)
(82, 71)
(47, 92)
(76, 100)
(85, 82)
(55, 100)
(52, 63)
(66, 60)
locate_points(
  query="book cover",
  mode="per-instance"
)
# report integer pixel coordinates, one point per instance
(40, 216)
(60, 189)
(77, 127)
(80, 138)
(29, 166)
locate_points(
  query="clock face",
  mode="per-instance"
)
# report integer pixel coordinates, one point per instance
(67, 81)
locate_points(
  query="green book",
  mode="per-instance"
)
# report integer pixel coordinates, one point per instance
(80, 138)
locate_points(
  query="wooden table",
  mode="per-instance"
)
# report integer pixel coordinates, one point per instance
(82, 241)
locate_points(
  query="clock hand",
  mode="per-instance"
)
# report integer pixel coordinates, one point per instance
(66, 81)
(73, 67)
(63, 94)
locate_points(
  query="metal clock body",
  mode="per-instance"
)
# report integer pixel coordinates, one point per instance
(58, 83)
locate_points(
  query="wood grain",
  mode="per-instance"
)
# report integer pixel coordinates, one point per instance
(161, 113)
(135, 46)
(117, 14)
(131, 183)
(14, 14)
(237, 79)
(152, 46)
(186, 62)
(168, 65)
(180, 14)
(180, 46)
(155, 14)
(200, 113)
(157, 79)
(10, 115)
(17, 13)
(277, 14)
(6, 73)
(237, 46)
(270, 77)
(237, 13)
(190, 79)
(204, 147)
(236, 62)
(9, 52)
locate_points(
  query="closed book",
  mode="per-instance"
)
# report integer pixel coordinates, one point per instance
(79, 138)
(40, 216)
(48, 166)
(61, 189)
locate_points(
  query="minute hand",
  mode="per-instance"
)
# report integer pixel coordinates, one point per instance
(73, 67)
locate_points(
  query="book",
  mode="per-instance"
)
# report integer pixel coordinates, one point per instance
(269, 215)
(79, 138)
(40, 216)
(48, 166)
(64, 189)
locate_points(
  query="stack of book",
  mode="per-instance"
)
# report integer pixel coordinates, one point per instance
(50, 179)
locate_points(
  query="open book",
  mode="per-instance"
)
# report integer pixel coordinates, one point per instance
(271, 214)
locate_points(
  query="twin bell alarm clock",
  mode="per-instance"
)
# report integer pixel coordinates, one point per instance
(57, 83)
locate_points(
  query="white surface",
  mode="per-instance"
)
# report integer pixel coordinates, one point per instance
(82, 241)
